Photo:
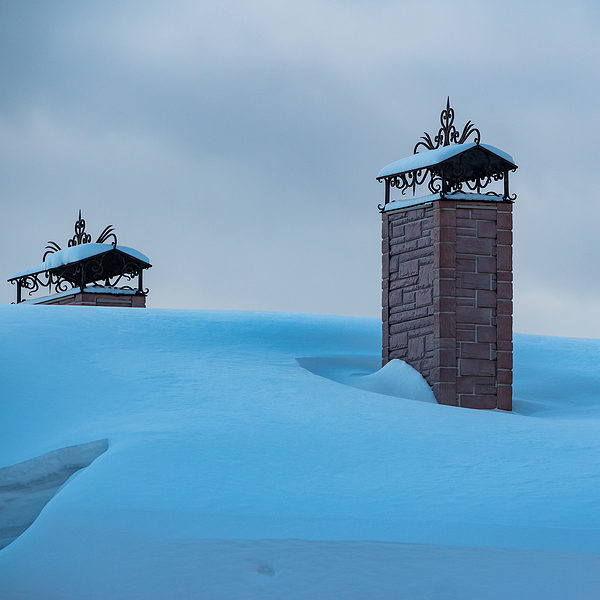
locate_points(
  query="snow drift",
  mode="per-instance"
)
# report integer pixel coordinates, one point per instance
(27, 487)
(396, 378)
(233, 471)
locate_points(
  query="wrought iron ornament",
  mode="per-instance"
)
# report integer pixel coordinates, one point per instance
(81, 237)
(437, 184)
(448, 134)
(472, 171)
(107, 269)
(91, 270)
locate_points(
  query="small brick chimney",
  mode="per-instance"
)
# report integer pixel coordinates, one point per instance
(85, 273)
(447, 268)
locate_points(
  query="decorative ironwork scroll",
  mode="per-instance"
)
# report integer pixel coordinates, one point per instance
(106, 268)
(411, 179)
(437, 184)
(448, 134)
(81, 237)
(33, 283)
(474, 168)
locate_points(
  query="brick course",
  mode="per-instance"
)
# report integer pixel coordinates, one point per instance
(100, 299)
(447, 298)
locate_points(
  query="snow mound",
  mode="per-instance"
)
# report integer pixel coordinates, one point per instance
(396, 378)
(25, 488)
(234, 472)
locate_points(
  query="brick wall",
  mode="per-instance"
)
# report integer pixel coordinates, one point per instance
(408, 319)
(456, 257)
(504, 304)
(98, 299)
(476, 284)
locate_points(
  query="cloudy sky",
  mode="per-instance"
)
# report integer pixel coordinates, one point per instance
(236, 143)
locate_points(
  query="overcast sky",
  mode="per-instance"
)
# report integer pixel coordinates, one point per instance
(237, 143)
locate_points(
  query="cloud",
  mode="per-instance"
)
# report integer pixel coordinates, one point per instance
(237, 142)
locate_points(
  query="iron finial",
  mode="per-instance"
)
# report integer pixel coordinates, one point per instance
(81, 237)
(447, 134)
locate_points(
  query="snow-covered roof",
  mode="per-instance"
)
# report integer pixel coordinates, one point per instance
(430, 158)
(77, 253)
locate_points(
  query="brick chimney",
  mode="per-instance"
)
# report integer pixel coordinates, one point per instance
(447, 269)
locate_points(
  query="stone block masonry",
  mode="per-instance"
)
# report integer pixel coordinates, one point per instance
(97, 299)
(408, 315)
(447, 298)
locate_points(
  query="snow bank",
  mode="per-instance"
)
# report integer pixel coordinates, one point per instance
(27, 487)
(143, 566)
(220, 440)
(396, 378)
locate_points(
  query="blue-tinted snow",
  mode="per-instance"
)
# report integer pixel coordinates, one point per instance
(429, 158)
(220, 440)
(25, 488)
